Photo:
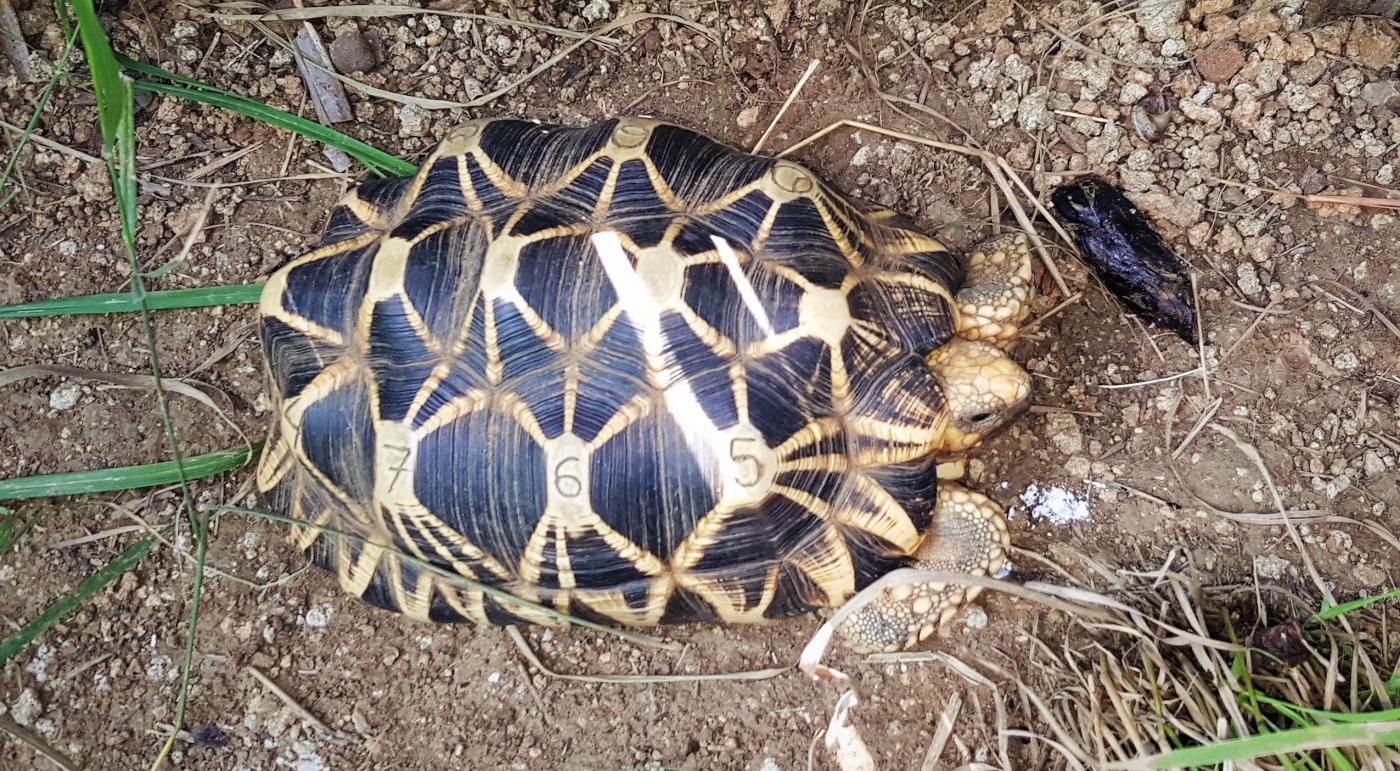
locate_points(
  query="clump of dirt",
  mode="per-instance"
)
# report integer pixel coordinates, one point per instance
(1261, 113)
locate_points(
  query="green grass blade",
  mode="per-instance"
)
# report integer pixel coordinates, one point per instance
(90, 586)
(1336, 717)
(123, 302)
(1293, 740)
(1330, 612)
(125, 477)
(159, 81)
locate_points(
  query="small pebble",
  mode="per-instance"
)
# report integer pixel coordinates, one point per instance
(65, 397)
(353, 53)
(1270, 566)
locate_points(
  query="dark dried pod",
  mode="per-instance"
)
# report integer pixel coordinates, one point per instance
(1127, 253)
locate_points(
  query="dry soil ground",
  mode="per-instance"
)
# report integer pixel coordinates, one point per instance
(1313, 381)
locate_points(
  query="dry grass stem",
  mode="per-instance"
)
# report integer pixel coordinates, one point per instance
(375, 11)
(1345, 200)
(1001, 172)
(792, 95)
(36, 743)
(13, 45)
(534, 661)
(946, 720)
(181, 386)
(336, 737)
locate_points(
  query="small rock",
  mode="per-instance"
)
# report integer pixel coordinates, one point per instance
(413, 122)
(747, 117)
(1373, 464)
(1270, 566)
(1161, 20)
(1256, 25)
(1380, 92)
(1248, 279)
(26, 708)
(1368, 575)
(597, 10)
(1064, 433)
(65, 397)
(1371, 45)
(975, 618)
(354, 53)
(1220, 62)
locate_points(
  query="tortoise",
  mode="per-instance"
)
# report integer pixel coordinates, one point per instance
(632, 374)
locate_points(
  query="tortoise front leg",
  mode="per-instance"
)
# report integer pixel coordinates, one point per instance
(968, 536)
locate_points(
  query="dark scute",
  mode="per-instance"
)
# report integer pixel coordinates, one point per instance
(900, 390)
(685, 351)
(943, 267)
(913, 485)
(399, 358)
(580, 197)
(498, 612)
(494, 202)
(644, 231)
(602, 391)
(754, 540)
(711, 292)
(466, 372)
(551, 275)
(537, 154)
(796, 594)
(647, 485)
(596, 566)
(328, 290)
(522, 351)
(621, 350)
(544, 215)
(789, 389)
(685, 606)
(341, 225)
(439, 200)
(739, 222)
(337, 434)
(694, 238)
(441, 277)
(377, 591)
(543, 393)
(823, 485)
(1127, 253)
(834, 444)
(383, 193)
(440, 611)
(715, 393)
(698, 168)
(800, 240)
(920, 319)
(871, 555)
(293, 358)
(634, 197)
(485, 478)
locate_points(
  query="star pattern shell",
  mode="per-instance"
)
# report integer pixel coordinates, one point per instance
(724, 416)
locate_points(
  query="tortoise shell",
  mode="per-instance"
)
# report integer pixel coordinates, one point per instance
(728, 418)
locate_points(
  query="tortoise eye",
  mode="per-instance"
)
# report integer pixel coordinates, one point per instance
(981, 417)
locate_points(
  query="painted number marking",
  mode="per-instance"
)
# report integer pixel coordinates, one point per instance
(747, 467)
(398, 465)
(567, 480)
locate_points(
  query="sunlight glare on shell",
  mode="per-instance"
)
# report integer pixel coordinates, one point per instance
(741, 281)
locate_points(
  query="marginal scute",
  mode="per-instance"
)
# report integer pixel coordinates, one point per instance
(697, 431)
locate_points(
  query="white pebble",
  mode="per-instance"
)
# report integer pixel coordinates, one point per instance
(65, 397)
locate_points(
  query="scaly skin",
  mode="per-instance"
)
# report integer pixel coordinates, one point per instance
(984, 390)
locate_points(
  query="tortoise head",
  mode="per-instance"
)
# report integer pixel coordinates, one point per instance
(983, 390)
